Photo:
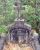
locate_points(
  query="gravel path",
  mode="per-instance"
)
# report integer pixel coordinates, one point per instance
(1, 43)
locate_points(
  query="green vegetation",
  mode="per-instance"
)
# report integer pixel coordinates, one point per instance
(31, 13)
(3, 29)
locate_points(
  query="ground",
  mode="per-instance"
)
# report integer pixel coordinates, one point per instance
(11, 46)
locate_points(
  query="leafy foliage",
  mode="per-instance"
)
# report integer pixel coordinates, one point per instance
(3, 29)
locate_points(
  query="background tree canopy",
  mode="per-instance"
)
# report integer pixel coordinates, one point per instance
(31, 13)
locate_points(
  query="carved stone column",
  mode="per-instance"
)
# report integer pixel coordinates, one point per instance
(26, 36)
